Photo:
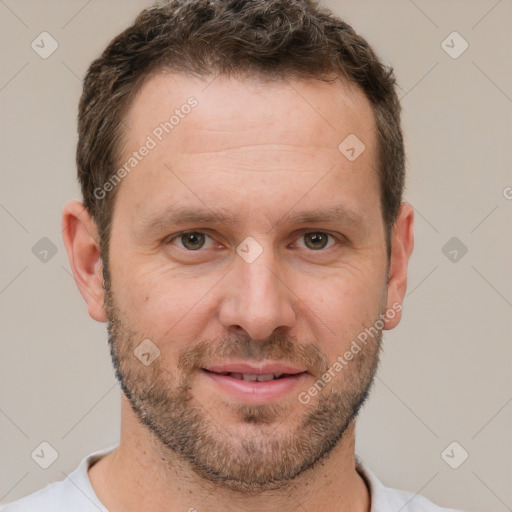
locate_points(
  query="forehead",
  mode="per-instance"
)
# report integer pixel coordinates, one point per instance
(220, 135)
(296, 110)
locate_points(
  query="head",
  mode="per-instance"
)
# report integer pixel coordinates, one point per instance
(225, 223)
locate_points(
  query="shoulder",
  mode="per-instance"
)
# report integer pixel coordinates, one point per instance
(384, 499)
(72, 493)
(55, 497)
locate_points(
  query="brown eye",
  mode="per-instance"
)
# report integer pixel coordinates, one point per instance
(316, 240)
(192, 240)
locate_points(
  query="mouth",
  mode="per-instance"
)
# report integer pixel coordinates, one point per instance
(253, 377)
(263, 383)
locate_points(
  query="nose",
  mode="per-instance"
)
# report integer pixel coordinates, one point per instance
(257, 298)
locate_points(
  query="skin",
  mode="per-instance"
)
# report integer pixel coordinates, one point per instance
(258, 151)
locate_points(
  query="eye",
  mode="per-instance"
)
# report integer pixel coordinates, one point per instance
(190, 240)
(193, 241)
(316, 240)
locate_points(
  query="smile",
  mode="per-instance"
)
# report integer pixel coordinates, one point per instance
(255, 384)
(254, 376)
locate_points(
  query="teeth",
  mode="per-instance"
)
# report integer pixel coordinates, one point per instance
(264, 378)
(254, 377)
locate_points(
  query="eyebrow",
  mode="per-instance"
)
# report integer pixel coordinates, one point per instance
(326, 214)
(187, 215)
(175, 215)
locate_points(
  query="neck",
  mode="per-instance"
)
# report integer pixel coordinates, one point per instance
(141, 475)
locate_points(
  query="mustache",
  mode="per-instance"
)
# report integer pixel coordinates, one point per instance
(278, 347)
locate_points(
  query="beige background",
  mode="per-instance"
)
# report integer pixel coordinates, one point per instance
(445, 373)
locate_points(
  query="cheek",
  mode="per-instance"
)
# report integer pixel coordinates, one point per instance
(341, 305)
(163, 306)
(349, 288)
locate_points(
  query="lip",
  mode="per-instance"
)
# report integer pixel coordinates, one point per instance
(255, 392)
(263, 369)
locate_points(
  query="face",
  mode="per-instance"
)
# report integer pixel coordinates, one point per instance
(249, 252)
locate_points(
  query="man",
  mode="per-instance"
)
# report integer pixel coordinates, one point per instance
(244, 236)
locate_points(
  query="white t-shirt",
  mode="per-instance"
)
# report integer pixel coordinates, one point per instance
(76, 494)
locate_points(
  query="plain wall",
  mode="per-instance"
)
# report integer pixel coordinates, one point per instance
(445, 371)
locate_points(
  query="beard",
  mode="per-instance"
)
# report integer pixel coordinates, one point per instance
(267, 453)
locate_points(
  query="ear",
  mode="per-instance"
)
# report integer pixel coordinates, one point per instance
(80, 236)
(402, 244)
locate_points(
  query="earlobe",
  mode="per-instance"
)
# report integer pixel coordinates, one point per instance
(401, 249)
(80, 237)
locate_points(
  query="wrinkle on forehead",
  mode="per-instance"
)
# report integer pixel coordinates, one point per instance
(232, 112)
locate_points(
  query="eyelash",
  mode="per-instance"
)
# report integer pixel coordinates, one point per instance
(169, 240)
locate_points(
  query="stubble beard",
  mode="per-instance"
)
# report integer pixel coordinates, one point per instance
(263, 457)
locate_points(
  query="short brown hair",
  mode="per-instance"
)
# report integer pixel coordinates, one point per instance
(270, 39)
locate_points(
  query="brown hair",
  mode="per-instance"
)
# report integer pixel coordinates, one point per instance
(270, 39)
